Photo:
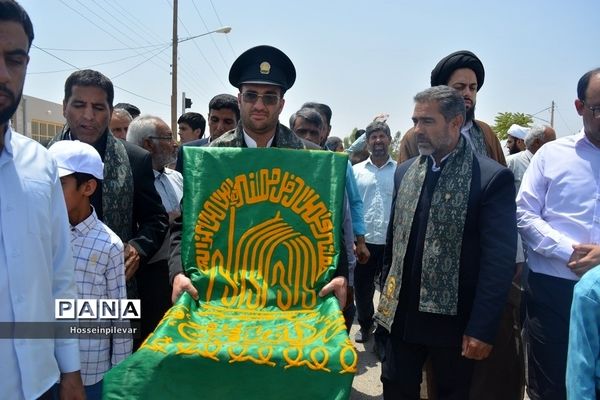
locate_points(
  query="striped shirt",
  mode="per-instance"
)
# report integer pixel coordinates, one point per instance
(100, 274)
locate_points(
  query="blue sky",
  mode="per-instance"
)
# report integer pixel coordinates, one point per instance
(361, 58)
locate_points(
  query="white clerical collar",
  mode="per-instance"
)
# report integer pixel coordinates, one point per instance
(466, 127)
(251, 143)
(435, 167)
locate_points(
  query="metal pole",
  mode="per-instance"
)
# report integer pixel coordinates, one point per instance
(552, 115)
(174, 75)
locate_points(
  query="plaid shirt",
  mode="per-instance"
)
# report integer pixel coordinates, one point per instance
(100, 274)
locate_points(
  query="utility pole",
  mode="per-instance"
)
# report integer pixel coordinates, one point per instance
(174, 75)
(552, 114)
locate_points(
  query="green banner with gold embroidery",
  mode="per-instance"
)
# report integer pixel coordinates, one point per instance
(261, 237)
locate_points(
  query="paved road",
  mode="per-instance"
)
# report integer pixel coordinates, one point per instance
(366, 385)
(366, 382)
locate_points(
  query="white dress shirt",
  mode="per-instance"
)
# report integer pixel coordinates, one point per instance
(559, 203)
(376, 188)
(251, 143)
(169, 185)
(36, 267)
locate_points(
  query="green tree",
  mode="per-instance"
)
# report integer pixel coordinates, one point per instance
(504, 120)
(395, 145)
(348, 140)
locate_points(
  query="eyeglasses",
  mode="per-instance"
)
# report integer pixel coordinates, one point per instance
(595, 110)
(161, 137)
(267, 99)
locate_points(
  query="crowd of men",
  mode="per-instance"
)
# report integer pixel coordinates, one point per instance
(452, 233)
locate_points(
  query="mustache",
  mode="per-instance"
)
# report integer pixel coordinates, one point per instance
(7, 92)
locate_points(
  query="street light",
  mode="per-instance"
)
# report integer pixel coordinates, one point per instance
(224, 29)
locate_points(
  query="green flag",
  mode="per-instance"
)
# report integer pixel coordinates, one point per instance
(261, 237)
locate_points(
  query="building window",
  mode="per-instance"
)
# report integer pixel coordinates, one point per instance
(44, 131)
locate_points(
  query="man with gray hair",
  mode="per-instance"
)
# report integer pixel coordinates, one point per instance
(119, 123)
(154, 135)
(535, 138)
(449, 258)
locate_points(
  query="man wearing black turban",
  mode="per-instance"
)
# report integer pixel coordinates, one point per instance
(463, 71)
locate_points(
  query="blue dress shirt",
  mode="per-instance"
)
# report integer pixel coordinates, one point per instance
(583, 361)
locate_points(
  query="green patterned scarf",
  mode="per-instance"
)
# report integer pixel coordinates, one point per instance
(443, 237)
(117, 189)
(477, 140)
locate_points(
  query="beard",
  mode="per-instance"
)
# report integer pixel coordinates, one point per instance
(7, 112)
(163, 159)
(470, 114)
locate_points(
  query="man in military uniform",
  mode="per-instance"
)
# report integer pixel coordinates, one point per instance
(262, 74)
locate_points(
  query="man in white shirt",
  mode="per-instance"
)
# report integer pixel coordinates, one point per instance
(375, 181)
(536, 137)
(36, 262)
(558, 215)
(154, 135)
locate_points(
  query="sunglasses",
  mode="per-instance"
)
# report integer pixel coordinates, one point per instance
(267, 99)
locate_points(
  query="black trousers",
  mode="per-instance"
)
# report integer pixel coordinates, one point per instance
(401, 371)
(155, 296)
(364, 285)
(547, 331)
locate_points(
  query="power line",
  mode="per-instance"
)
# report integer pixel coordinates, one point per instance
(188, 78)
(208, 29)
(144, 61)
(202, 54)
(563, 120)
(92, 22)
(120, 10)
(541, 119)
(142, 97)
(109, 23)
(118, 87)
(100, 27)
(117, 38)
(102, 50)
(57, 57)
(86, 67)
(183, 67)
(221, 24)
(541, 111)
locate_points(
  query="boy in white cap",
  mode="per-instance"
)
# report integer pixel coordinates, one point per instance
(98, 255)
